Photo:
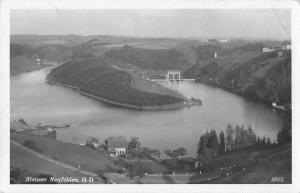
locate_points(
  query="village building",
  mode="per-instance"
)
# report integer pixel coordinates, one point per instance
(286, 47)
(224, 41)
(198, 164)
(265, 50)
(116, 145)
(173, 75)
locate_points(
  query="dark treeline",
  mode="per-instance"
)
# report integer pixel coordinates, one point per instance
(239, 138)
(150, 59)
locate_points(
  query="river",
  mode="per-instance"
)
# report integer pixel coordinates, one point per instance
(38, 102)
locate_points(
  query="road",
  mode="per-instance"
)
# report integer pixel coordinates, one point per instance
(58, 163)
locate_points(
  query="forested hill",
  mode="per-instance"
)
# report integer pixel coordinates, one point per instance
(149, 59)
(22, 56)
(261, 76)
(95, 76)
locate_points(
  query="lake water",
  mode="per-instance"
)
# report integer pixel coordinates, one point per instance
(38, 102)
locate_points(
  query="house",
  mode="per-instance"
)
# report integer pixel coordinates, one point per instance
(224, 41)
(286, 47)
(268, 50)
(116, 145)
(198, 164)
(173, 75)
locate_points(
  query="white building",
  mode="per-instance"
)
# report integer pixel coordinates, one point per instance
(38, 61)
(223, 41)
(116, 145)
(173, 75)
(268, 50)
(287, 47)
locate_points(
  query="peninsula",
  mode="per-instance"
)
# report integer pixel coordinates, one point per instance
(96, 78)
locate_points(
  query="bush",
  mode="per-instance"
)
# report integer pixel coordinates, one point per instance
(137, 169)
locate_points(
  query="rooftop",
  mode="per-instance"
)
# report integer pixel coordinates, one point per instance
(116, 142)
(173, 70)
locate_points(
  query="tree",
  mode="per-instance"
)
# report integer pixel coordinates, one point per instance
(137, 153)
(134, 143)
(222, 143)
(137, 169)
(229, 137)
(244, 137)
(284, 135)
(145, 153)
(264, 141)
(155, 153)
(251, 136)
(202, 144)
(181, 151)
(91, 142)
(207, 156)
(168, 153)
(269, 141)
(213, 140)
(258, 141)
(238, 137)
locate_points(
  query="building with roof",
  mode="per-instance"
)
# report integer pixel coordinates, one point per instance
(116, 145)
(265, 50)
(173, 75)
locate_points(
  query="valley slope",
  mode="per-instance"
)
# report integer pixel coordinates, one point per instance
(264, 77)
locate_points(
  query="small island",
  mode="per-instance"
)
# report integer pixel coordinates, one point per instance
(98, 79)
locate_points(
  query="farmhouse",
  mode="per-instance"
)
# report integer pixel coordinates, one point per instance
(116, 145)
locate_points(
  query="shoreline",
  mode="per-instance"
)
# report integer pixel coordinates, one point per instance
(253, 99)
(124, 105)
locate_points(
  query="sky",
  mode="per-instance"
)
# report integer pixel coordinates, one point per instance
(257, 24)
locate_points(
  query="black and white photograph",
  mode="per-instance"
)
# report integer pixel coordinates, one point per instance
(150, 96)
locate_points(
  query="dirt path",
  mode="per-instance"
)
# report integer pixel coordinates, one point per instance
(58, 163)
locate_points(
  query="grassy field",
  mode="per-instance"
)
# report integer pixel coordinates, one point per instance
(68, 153)
(271, 162)
(22, 159)
(152, 87)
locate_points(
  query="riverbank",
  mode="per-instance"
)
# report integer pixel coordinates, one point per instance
(110, 102)
(283, 108)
